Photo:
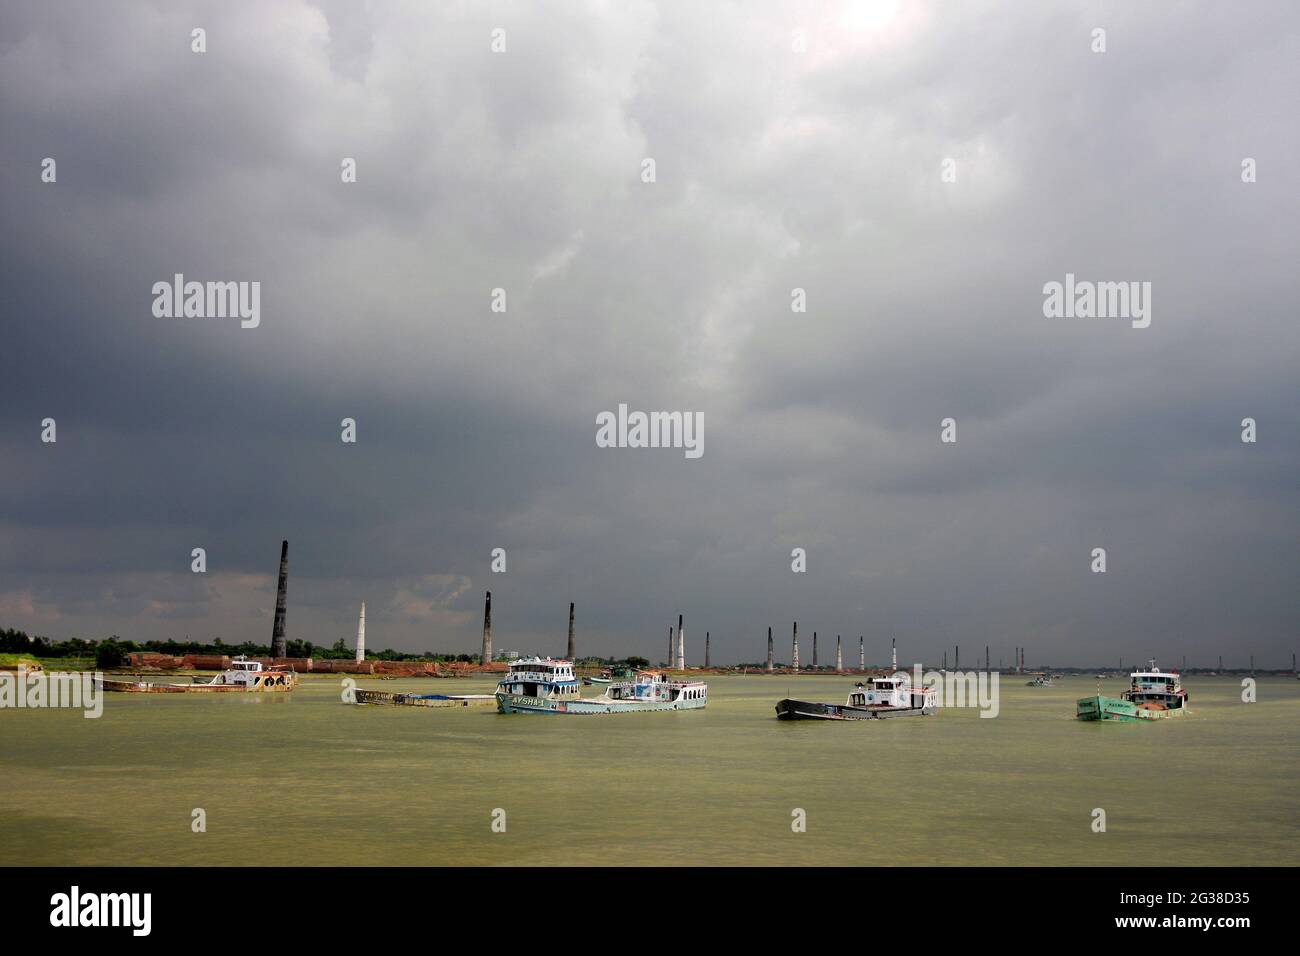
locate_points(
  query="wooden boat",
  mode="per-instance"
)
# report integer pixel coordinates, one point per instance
(424, 700)
(243, 676)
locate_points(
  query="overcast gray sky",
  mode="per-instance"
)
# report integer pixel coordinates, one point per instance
(775, 169)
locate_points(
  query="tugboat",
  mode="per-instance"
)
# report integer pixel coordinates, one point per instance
(1153, 694)
(878, 698)
(242, 675)
(538, 685)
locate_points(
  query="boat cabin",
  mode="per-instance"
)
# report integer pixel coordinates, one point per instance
(253, 674)
(894, 690)
(1155, 687)
(540, 677)
(651, 686)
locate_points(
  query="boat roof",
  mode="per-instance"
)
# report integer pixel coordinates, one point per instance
(520, 662)
(1153, 671)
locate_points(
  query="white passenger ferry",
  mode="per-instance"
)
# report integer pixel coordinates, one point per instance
(538, 685)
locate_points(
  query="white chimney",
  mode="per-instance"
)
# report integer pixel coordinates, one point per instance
(361, 635)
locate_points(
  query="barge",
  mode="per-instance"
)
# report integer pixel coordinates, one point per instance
(1153, 694)
(424, 700)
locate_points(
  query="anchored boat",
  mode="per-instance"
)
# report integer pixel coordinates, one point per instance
(546, 686)
(424, 700)
(242, 676)
(1153, 694)
(877, 698)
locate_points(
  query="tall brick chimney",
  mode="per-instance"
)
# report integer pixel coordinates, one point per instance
(572, 651)
(277, 631)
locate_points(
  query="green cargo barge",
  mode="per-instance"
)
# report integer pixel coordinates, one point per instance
(1153, 694)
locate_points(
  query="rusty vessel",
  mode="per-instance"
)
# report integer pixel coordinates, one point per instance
(243, 676)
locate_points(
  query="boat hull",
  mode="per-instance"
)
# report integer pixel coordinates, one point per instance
(789, 709)
(518, 704)
(144, 687)
(1101, 707)
(424, 700)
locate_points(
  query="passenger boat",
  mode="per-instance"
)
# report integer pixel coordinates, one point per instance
(1041, 680)
(242, 676)
(538, 685)
(1153, 694)
(877, 698)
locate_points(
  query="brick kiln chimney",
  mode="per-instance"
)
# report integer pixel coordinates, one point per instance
(277, 631)
(361, 634)
(572, 652)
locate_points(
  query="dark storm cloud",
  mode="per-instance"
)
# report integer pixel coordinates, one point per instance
(775, 170)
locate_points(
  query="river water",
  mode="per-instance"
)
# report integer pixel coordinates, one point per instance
(306, 779)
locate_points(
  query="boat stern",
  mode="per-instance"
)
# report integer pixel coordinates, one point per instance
(1101, 707)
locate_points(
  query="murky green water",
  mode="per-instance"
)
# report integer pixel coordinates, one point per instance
(306, 779)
